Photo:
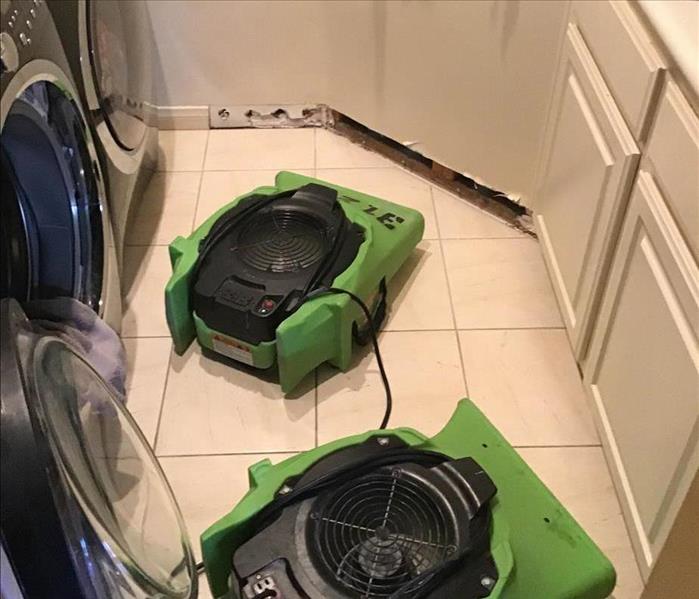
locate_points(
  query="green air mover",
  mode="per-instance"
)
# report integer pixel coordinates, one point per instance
(246, 282)
(393, 514)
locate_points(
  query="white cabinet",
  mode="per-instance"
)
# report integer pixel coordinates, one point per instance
(621, 242)
(627, 58)
(672, 155)
(642, 372)
(590, 159)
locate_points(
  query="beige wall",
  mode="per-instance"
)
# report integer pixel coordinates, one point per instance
(469, 81)
(239, 52)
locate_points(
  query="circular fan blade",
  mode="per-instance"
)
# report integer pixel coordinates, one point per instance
(282, 241)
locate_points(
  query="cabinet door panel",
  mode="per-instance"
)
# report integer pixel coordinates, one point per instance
(578, 174)
(590, 161)
(672, 155)
(643, 369)
(628, 60)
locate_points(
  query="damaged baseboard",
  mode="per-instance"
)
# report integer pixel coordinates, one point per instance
(260, 116)
(495, 202)
(269, 116)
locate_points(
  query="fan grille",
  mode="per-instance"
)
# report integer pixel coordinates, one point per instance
(281, 241)
(382, 530)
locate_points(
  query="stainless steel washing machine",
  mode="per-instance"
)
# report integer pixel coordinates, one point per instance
(55, 230)
(85, 510)
(109, 48)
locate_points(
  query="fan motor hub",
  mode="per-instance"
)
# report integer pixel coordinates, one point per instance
(383, 534)
(380, 558)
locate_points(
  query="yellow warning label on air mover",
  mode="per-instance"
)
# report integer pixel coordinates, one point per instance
(232, 348)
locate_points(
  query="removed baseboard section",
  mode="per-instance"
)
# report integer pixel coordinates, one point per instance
(269, 116)
(495, 202)
(183, 117)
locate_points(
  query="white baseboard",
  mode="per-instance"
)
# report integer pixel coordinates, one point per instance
(183, 117)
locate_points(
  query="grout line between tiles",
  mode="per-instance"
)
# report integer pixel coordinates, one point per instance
(315, 375)
(201, 183)
(162, 401)
(229, 453)
(512, 329)
(571, 446)
(416, 330)
(206, 149)
(206, 152)
(451, 302)
(483, 238)
(402, 331)
(385, 167)
(276, 169)
(196, 204)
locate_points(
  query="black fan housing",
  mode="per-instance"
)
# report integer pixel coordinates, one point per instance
(382, 529)
(265, 254)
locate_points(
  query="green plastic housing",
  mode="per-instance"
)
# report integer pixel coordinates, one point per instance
(540, 550)
(321, 329)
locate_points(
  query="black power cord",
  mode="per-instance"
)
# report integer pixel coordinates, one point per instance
(200, 567)
(374, 340)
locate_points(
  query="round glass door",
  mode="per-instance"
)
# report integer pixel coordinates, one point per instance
(52, 229)
(122, 519)
(119, 41)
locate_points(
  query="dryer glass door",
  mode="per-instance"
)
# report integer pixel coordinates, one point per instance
(124, 520)
(119, 39)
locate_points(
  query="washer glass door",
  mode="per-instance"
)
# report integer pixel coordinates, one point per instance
(52, 228)
(126, 529)
(119, 42)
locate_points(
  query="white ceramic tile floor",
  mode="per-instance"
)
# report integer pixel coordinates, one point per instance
(146, 272)
(472, 310)
(148, 363)
(248, 149)
(460, 220)
(418, 294)
(211, 408)
(333, 151)
(207, 488)
(528, 385)
(426, 381)
(182, 150)
(499, 284)
(166, 208)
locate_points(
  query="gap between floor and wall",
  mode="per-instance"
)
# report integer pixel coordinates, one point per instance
(490, 200)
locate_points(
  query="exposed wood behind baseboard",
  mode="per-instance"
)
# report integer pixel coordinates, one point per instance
(490, 200)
